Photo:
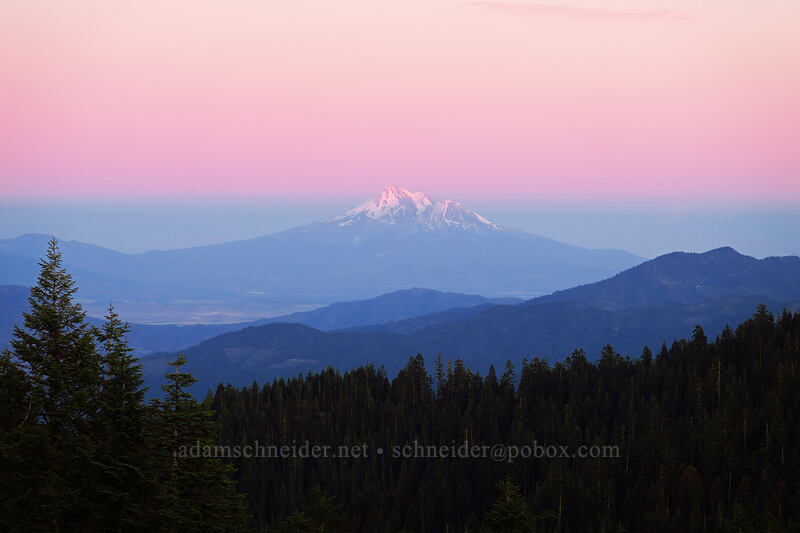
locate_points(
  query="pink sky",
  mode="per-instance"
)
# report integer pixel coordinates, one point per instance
(632, 99)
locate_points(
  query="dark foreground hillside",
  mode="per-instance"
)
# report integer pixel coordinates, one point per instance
(706, 437)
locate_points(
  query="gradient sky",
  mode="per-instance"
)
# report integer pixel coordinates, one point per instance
(612, 101)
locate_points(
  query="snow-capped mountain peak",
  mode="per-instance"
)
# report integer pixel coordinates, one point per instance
(396, 206)
(391, 203)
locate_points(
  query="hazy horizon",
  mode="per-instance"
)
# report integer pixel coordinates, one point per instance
(644, 230)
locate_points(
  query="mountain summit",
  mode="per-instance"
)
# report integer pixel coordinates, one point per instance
(397, 240)
(414, 211)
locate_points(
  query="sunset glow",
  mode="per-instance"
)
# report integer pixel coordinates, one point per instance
(608, 99)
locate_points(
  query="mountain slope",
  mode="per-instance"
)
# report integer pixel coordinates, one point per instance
(543, 327)
(690, 278)
(395, 306)
(714, 276)
(376, 248)
(550, 330)
(397, 240)
(13, 300)
(263, 352)
(412, 324)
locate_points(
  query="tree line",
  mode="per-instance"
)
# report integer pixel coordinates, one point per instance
(707, 435)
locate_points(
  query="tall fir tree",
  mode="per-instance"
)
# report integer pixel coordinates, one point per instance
(123, 486)
(56, 352)
(196, 489)
(510, 513)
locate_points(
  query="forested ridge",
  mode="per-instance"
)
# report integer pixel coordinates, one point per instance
(706, 436)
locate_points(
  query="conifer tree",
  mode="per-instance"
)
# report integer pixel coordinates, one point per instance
(647, 355)
(124, 488)
(699, 339)
(197, 491)
(123, 390)
(509, 377)
(56, 351)
(441, 380)
(56, 348)
(510, 513)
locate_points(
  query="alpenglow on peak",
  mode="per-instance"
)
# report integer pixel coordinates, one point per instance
(400, 207)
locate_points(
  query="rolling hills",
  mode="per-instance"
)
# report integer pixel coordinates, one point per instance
(653, 303)
(392, 307)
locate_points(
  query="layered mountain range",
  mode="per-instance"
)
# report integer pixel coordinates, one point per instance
(654, 303)
(399, 239)
(316, 286)
(658, 301)
(386, 308)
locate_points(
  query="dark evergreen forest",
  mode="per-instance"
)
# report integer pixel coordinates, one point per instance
(707, 434)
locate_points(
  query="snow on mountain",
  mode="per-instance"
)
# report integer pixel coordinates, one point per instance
(398, 240)
(400, 207)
